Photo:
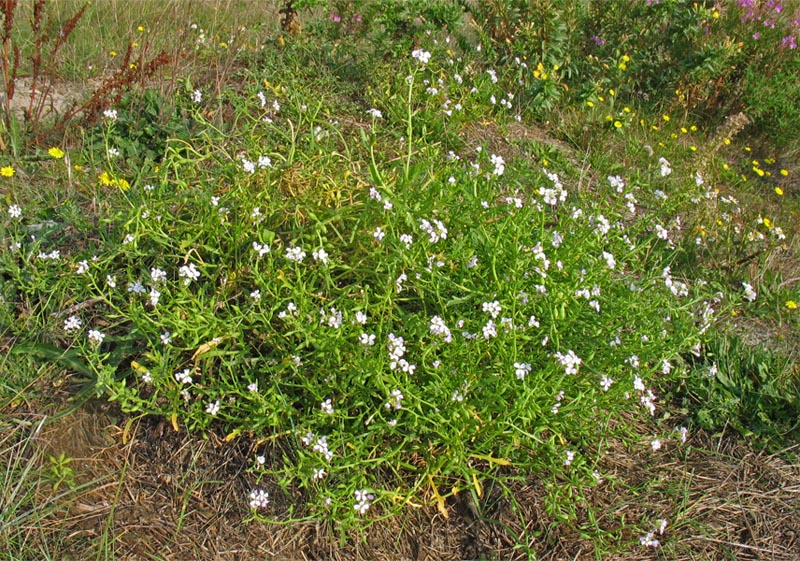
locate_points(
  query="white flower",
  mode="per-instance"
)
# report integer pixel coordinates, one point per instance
(166, 338)
(361, 317)
(14, 211)
(184, 376)
(96, 337)
(213, 408)
(666, 167)
(749, 294)
(261, 460)
(327, 407)
(320, 255)
(252, 387)
(264, 162)
(375, 113)
(261, 249)
(196, 96)
(295, 254)
(610, 261)
(407, 240)
(422, 56)
(399, 282)
(436, 230)
(72, 323)
(248, 166)
(489, 330)
(616, 182)
(649, 540)
(439, 328)
(258, 498)
(378, 234)
(110, 114)
(319, 473)
(499, 164)
(157, 275)
(395, 400)
(367, 339)
(570, 455)
(256, 295)
(155, 295)
(521, 369)
(569, 361)
(655, 445)
(492, 308)
(83, 267)
(113, 153)
(189, 273)
(605, 383)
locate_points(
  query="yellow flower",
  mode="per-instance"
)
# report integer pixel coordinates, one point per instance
(617, 124)
(626, 109)
(727, 142)
(726, 166)
(123, 184)
(693, 148)
(747, 149)
(693, 128)
(590, 103)
(56, 152)
(715, 14)
(105, 179)
(779, 191)
(784, 172)
(112, 53)
(622, 66)
(611, 92)
(758, 171)
(791, 304)
(665, 117)
(140, 29)
(7, 171)
(684, 130)
(626, 58)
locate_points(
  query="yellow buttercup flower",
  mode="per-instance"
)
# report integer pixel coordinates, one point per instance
(56, 152)
(617, 124)
(784, 172)
(779, 191)
(791, 304)
(7, 171)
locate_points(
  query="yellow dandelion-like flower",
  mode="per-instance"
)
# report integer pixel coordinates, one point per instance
(727, 142)
(611, 92)
(693, 148)
(779, 191)
(617, 124)
(56, 152)
(747, 149)
(601, 98)
(665, 117)
(684, 130)
(7, 171)
(609, 118)
(726, 166)
(105, 179)
(140, 29)
(626, 109)
(112, 53)
(123, 184)
(758, 171)
(590, 103)
(626, 58)
(693, 128)
(784, 172)
(791, 304)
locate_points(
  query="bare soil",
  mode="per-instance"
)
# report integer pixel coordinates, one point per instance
(153, 493)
